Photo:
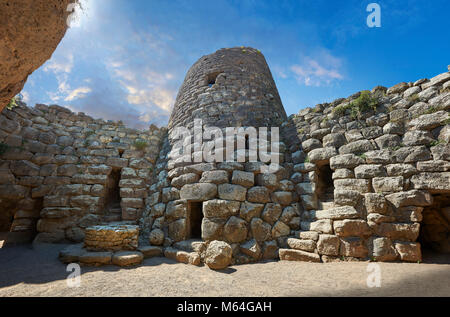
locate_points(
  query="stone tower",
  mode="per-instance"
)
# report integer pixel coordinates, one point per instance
(231, 87)
(231, 201)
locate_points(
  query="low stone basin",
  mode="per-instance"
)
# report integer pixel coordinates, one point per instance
(111, 237)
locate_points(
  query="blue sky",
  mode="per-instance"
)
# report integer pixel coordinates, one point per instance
(126, 59)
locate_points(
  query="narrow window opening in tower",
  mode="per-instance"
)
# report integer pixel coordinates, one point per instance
(113, 210)
(325, 185)
(434, 234)
(195, 218)
(211, 78)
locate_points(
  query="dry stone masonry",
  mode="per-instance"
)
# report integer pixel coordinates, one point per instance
(362, 178)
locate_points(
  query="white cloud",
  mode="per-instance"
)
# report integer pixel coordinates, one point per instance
(161, 98)
(322, 70)
(78, 93)
(60, 64)
(25, 96)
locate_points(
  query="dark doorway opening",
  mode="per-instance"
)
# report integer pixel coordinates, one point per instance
(325, 185)
(113, 210)
(434, 234)
(195, 218)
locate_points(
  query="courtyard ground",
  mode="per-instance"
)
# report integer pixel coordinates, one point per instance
(27, 271)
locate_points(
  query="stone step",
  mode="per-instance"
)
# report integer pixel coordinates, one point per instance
(182, 256)
(112, 218)
(192, 245)
(324, 205)
(298, 255)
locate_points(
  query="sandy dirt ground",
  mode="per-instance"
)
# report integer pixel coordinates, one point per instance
(27, 271)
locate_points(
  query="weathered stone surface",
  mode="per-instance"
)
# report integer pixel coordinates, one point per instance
(232, 192)
(351, 228)
(436, 182)
(383, 249)
(280, 229)
(321, 155)
(322, 226)
(218, 208)
(409, 251)
(298, 255)
(235, 230)
(212, 229)
(399, 231)
(304, 245)
(388, 184)
(28, 45)
(261, 231)
(150, 251)
(156, 237)
(258, 194)
(252, 249)
(96, 258)
(127, 258)
(337, 213)
(328, 245)
(370, 171)
(410, 198)
(360, 146)
(271, 213)
(250, 210)
(198, 192)
(184, 179)
(215, 177)
(218, 255)
(359, 185)
(245, 179)
(353, 247)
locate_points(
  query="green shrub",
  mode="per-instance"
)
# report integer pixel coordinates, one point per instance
(365, 102)
(436, 142)
(140, 144)
(431, 110)
(13, 102)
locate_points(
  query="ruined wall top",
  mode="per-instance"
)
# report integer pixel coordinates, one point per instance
(231, 87)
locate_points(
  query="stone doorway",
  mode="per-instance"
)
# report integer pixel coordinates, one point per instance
(435, 226)
(325, 185)
(113, 210)
(194, 219)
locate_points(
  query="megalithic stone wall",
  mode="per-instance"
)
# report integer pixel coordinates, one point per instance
(388, 151)
(58, 170)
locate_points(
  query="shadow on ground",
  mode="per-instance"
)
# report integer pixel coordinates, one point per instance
(25, 271)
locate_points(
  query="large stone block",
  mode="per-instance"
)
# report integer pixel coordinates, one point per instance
(351, 228)
(353, 247)
(250, 210)
(198, 192)
(399, 231)
(298, 255)
(258, 194)
(218, 255)
(410, 198)
(218, 208)
(232, 192)
(336, 213)
(328, 245)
